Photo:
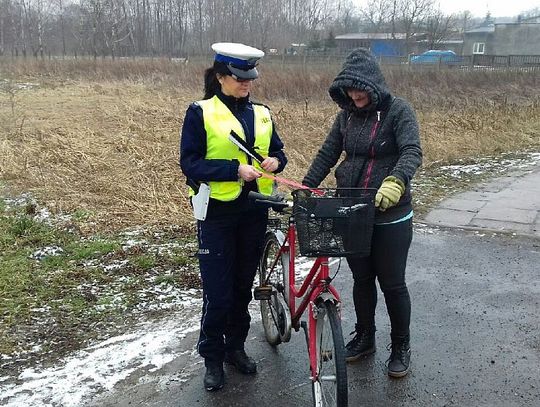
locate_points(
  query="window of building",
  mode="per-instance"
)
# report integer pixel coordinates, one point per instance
(478, 47)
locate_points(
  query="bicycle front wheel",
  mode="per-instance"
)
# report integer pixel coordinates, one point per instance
(275, 314)
(330, 386)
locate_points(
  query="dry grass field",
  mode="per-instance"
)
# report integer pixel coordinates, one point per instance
(102, 137)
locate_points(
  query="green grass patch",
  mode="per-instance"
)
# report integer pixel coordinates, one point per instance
(20, 230)
(41, 277)
(56, 287)
(93, 249)
(166, 279)
(80, 215)
(180, 260)
(144, 262)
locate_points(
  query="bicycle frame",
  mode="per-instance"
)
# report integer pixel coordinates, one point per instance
(315, 284)
(330, 222)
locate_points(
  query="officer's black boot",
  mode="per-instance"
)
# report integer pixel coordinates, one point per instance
(241, 361)
(400, 358)
(214, 378)
(362, 344)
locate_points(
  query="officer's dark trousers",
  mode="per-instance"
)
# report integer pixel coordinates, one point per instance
(229, 250)
(389, 249)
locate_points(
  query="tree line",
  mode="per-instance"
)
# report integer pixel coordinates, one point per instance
(178, 28)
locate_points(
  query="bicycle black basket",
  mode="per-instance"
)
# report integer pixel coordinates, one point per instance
(334, 222)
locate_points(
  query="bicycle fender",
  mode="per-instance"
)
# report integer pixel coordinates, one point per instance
(286, 335)
(280, 236)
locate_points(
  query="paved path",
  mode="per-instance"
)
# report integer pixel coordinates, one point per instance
(475, 339)
(507, 204)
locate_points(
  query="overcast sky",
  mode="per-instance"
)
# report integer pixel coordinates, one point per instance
(479, 8)
(497, 8)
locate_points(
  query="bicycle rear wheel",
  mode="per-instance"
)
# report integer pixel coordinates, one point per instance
(330, 388)
(275, 315)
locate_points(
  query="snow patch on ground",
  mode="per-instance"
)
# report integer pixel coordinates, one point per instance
(47, 251)
(10, 86)
(489, 164)
(97, 368)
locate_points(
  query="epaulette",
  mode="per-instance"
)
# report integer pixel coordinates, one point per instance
(196, 106)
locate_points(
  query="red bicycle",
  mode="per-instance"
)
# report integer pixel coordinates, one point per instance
(324, 223)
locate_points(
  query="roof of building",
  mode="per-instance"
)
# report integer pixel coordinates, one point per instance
(483, 29)
(527, 23)
(452, 41)
(491, 27)
(371, 36)
(532, 19)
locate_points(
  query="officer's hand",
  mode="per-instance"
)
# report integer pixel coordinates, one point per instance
(270, 164)
(248, 172)
(389, 193)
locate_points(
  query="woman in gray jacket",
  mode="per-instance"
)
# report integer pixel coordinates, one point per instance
(379, 134)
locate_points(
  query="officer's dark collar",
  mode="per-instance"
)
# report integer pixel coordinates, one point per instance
(231, 101)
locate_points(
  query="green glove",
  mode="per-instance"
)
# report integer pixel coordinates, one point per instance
(389, 193)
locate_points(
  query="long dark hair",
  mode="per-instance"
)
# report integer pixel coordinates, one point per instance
(211, 83)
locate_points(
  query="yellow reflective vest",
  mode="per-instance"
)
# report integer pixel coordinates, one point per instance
(218, 123)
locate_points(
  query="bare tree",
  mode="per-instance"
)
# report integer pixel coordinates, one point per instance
(3, 16)
(533, 13)
(179, 27)
(414, 14)
(346, 17)
(378, 13)
(439, 27)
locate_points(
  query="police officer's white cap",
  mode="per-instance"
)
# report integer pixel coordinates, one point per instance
(240, 59)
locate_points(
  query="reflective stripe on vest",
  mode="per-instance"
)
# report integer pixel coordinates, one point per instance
(218, 123)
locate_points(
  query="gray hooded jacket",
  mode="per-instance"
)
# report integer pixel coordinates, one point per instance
(379, 140)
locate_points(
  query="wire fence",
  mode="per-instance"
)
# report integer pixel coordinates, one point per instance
(471, 62)
(334, 60)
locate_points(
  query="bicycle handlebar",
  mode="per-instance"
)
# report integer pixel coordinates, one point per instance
(276, 202)
(261, 197)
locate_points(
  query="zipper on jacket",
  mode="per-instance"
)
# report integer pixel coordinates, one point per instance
(372, 150)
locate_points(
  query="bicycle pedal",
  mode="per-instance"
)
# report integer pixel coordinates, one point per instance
(263, 293)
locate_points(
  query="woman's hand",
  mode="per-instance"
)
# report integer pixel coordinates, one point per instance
(389, 193)
(248, 172)
(270, 164)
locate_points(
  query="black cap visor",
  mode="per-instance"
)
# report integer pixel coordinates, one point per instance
(248, 74)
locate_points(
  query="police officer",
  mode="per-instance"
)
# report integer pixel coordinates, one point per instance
(232, 233)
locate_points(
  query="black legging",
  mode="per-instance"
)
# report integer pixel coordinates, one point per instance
(389, 249)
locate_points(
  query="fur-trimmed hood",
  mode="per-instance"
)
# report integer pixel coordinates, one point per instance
(360, 71)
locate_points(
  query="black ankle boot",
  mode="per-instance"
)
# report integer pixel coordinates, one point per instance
(214, 378)
(362, 344)
(400, 358)
(241, 361)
